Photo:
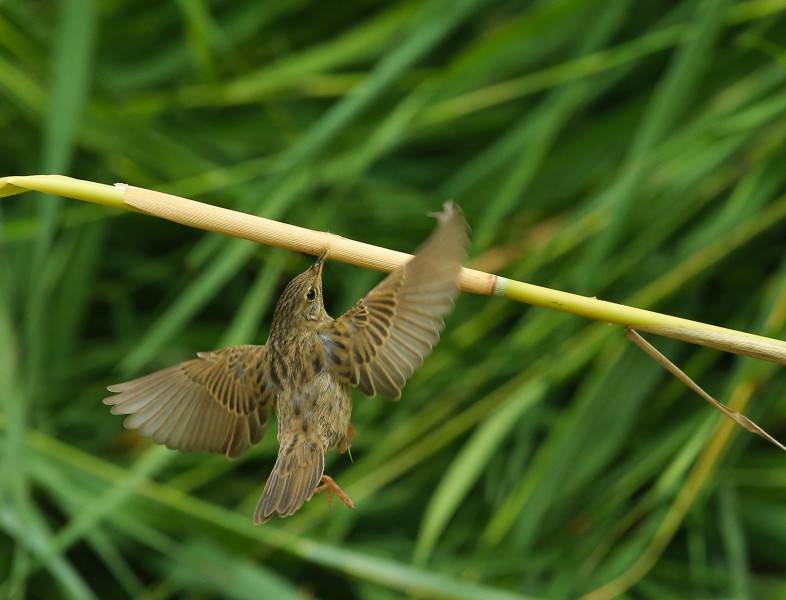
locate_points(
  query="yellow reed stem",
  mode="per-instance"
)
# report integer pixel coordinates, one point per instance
(89, 191)
(266, 231)
(695, 332)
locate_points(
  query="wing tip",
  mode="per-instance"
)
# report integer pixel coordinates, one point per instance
(393, 397)
(449, 211)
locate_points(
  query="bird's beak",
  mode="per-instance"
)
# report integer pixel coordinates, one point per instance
(317, 266)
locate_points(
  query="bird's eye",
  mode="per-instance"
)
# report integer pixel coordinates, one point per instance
(311, 294)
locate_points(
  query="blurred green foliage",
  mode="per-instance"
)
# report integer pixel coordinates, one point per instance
(628, 150)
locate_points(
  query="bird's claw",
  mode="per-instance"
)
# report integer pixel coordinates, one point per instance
(329, 485)
(346, 443)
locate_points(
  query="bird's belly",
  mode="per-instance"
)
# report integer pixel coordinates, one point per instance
(319, 411)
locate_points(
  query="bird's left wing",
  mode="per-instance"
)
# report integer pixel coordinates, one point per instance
(219, 402)
(378, 343)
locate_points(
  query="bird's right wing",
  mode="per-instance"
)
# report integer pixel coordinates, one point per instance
(378, 343)
(219, 402)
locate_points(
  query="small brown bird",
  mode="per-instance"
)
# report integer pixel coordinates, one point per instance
(220, 402)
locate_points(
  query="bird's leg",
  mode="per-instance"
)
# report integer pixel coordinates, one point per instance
(346, 443)
(331, 486)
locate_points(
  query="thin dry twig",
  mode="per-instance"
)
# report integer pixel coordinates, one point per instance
(683, 377)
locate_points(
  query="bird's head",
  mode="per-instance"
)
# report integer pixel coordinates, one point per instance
(301, 301)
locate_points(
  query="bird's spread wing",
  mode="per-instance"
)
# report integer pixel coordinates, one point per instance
(219, 402)
(378, 343)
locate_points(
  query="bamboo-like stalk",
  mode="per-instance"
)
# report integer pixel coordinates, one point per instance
(275, 233)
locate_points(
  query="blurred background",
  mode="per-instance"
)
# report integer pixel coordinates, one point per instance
(628, 150)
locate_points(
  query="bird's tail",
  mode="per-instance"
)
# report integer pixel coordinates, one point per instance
(295, 476)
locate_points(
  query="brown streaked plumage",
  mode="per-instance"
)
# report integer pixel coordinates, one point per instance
(220, 402)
